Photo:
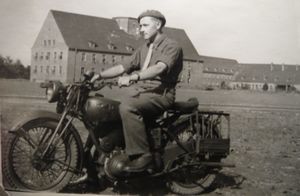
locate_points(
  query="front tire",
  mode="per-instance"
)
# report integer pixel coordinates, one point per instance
(24, 167)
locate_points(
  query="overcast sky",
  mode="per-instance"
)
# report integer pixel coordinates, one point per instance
(250, 31)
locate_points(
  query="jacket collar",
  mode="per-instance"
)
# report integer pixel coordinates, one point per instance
(157, 42)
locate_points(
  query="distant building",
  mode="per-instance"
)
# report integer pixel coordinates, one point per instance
(268, 77)
(218, 72)
(69, 44)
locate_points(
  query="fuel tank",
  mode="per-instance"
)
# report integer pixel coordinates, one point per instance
(101, 109)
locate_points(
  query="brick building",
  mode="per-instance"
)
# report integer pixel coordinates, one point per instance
(218, 72)
(68, 44)
(272, 76)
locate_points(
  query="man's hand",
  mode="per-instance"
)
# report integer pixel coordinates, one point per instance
(124, 81)
(127, 80)
(95, 77)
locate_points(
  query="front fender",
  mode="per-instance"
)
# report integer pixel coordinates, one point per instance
(39, 115)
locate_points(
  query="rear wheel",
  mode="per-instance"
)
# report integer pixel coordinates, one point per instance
(26, 169)
(189, 180)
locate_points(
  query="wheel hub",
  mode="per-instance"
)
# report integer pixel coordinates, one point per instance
(42, 163)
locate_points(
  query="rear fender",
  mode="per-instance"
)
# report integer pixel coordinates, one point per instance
(42, 116)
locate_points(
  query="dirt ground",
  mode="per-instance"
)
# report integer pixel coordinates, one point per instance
(265, 147)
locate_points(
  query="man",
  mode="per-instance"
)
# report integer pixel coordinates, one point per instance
(158, 63)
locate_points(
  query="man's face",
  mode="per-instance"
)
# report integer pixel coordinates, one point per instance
(149, 27)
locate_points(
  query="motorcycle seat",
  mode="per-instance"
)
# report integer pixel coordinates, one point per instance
(185, 107)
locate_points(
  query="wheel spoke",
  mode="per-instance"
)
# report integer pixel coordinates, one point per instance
(53, 173)
(24, 134)
(46, 137)
(24, 152)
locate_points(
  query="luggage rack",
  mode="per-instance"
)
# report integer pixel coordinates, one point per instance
(212, 131)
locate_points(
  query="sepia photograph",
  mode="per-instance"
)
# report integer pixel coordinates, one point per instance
(161, 97)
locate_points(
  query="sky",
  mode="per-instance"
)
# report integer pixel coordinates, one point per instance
(249, 31)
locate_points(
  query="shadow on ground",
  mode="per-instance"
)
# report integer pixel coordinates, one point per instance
(154, 186)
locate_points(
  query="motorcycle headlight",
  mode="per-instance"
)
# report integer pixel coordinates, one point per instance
(52, 92)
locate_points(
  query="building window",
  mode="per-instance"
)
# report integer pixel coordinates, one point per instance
(92, 44)
(61, 55)
(129, 48)
(94, 58)
(113, 59)
(45, 42)
(41, 69)
(36, 56)
(83, 57)
(103, 59)
(47, 69)
(42, 56)
(111, 46)
(53, 42)
(55, 56)
(82, 70)
(48, 56)
(35, 69)
(60, 69)
(53, 70)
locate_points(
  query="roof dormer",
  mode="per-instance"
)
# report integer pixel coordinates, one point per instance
(92, 44)
(111, 46)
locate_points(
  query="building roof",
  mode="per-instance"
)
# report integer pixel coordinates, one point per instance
(269, 73)
(80, 30)
(84, 32)
(189, 51)
(218, 65)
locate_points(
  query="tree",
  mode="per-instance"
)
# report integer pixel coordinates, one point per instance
(11, 69)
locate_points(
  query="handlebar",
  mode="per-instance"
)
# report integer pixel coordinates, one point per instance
(102, 84)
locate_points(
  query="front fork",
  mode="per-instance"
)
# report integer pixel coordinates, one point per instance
(54, 140)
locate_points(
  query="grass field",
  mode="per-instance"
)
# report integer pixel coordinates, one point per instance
(265, 143)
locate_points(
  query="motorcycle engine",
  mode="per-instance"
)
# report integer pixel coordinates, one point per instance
(115, 164)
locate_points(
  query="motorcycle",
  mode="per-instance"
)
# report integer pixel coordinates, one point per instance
(46, 151)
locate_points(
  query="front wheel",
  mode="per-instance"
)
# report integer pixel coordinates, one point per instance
(27, 169)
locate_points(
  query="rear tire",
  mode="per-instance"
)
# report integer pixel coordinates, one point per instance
(185, 182)
(23, 166)
(189, 180)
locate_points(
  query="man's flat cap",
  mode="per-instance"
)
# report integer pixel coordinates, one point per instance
(154, 14)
